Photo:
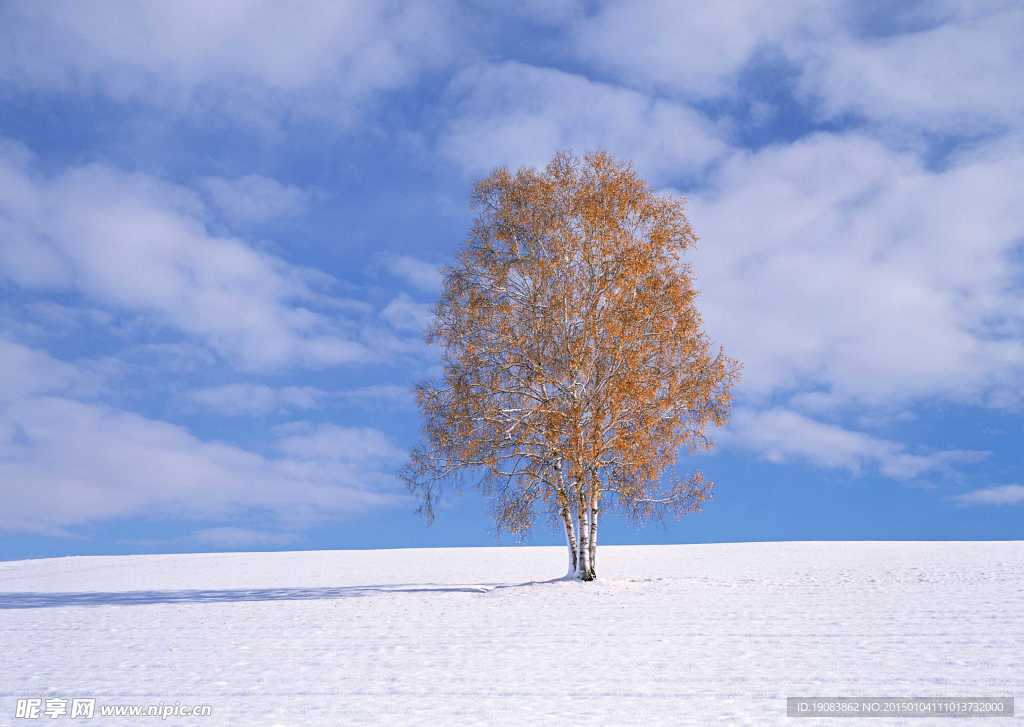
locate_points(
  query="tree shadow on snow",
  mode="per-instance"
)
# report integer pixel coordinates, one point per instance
(31, 599)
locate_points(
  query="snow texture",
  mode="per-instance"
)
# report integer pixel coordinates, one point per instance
(688, 634)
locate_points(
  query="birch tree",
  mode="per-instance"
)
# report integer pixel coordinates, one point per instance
(574, 364)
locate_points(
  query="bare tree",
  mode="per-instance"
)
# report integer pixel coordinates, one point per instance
(574, 363)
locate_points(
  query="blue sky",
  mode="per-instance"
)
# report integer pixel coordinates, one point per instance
(221, 230)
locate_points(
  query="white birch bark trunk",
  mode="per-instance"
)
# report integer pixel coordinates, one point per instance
(595, 498)
(570, 538)
(567, 523)
(583, 569)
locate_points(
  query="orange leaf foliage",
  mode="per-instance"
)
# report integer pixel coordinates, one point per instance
(573, 353)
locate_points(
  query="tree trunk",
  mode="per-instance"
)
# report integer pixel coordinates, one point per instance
(584, 571)
(595, 497)
(563, 506)
(570, 536)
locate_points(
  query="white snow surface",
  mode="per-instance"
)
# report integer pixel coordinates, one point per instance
(682, 634)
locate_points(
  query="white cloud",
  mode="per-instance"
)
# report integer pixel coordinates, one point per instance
(254, 198)
(519, 115)
(235, 56)
(64, 463)
(251, 399)
(235, 537)
(404, 314)
(837, 265)
(418, 273)
(780, 435)
(695, 49)
(68, 318)
(332, 442)
(140, 244)
(257, 399)
(180, 357)
(27, 372)
(378, 395)
(1001, 495)
(955, 75)
(544, 12)
(941, 66)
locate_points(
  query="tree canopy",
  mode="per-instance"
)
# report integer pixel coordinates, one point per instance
(575, 367)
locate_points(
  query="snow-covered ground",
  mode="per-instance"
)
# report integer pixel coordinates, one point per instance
(688, 634)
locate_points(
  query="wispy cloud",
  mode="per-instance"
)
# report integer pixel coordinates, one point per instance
(254, 198)
(838, 264)
(948, 69)
(227, 57)
(253, 399)
(1000, 495)
(951, 73)
(670, 46)
(235, 537)
(83, 228)
(256, 399)
(405, 314)
(420, 274)
(519, 115)
(66, 462)
(331, 442)
(27, 372)
(780, 435)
